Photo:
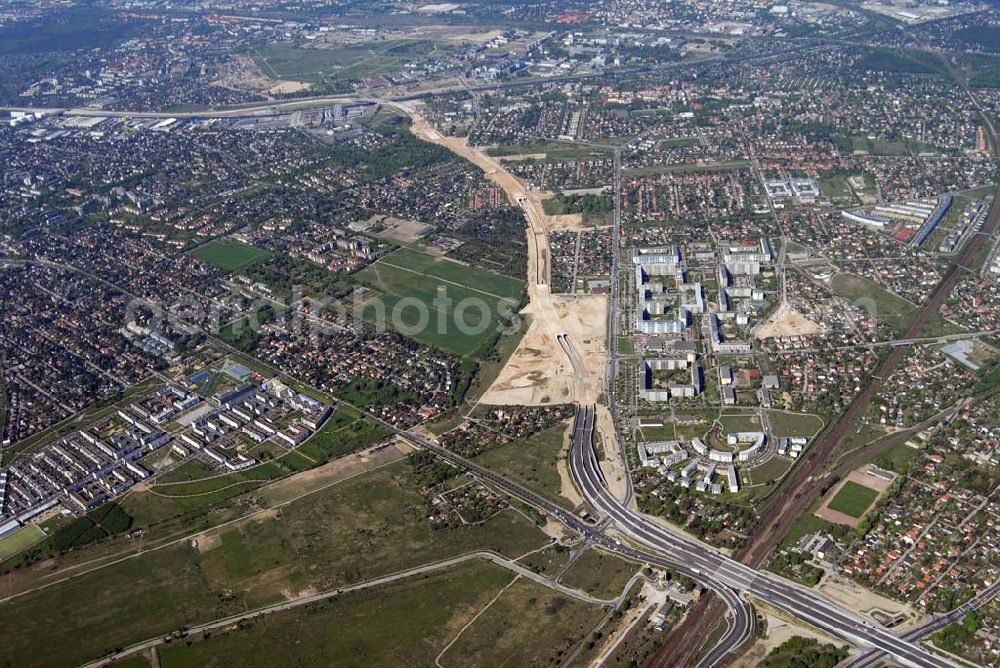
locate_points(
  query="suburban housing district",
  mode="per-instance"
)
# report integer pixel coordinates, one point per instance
(494, 333)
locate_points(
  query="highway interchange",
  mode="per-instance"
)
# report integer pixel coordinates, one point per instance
(724, 575)
(640, 539)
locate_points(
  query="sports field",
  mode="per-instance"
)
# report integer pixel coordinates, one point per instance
(230, 255)
(853, 499)
(476, 299)
(20, 539)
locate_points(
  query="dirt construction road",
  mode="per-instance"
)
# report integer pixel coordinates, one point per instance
(542, 369)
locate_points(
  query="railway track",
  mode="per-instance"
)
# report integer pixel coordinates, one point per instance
(801, 492)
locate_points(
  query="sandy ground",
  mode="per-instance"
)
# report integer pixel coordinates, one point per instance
(537, 373)
(540, 371)
(518, 157)
(282, 86)
(566, 487)
(557, 530)
(544, 369)
(779, 630)
(611, 464)
(863, 478)
(209, 541)
(338, 469)
(625, 625)
(786, 321)
(242, 73)
(478, 37)
(572, 222)
(853, 596)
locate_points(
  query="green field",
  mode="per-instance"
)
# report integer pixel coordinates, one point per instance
(553, 150)
(808, 523)
(772, 469)
(795, 424)
(344, 432)
(377, 523)
(547, 561)
(676, 142)
(358, 529)
(853, 499)
(155, 593)
(532, 462)
(285, 61)
(836, 187)
(20, 539)
(189, 499)
(406, 623)
(527, 625)
(740, 422)
(599, 574)
(451, 272)
(230, 255)
(410, 282)
(900, 458)
(884, 305)
(3, 403)
(688, 168)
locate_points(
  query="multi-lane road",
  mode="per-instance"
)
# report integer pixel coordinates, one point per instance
(727, 576)
(589, 478)
(932, 625)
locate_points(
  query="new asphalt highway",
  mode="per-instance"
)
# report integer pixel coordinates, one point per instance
(727, 576)
(932, 625)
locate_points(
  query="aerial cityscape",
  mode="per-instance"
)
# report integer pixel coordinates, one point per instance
(492, 333)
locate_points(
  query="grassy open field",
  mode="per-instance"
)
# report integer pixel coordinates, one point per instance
(553, 150)
(20, 539)
(690, 168)
(134, 661)
(899, 458)
(853, 499)
(599, 574)
(377, 523)
(152, 594)
(736, 422)
(189, 501)
(795, 424)
(361, 528)
(344, 432)
(409, 282)
(772, 469)
(230, 255)
(3, 403)
(547, 561)
(526, 626)
(285, 61)
(406, 623)
(450, 271)
(531, 462)
(884, 305)
(806, 523)
(192, 469)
